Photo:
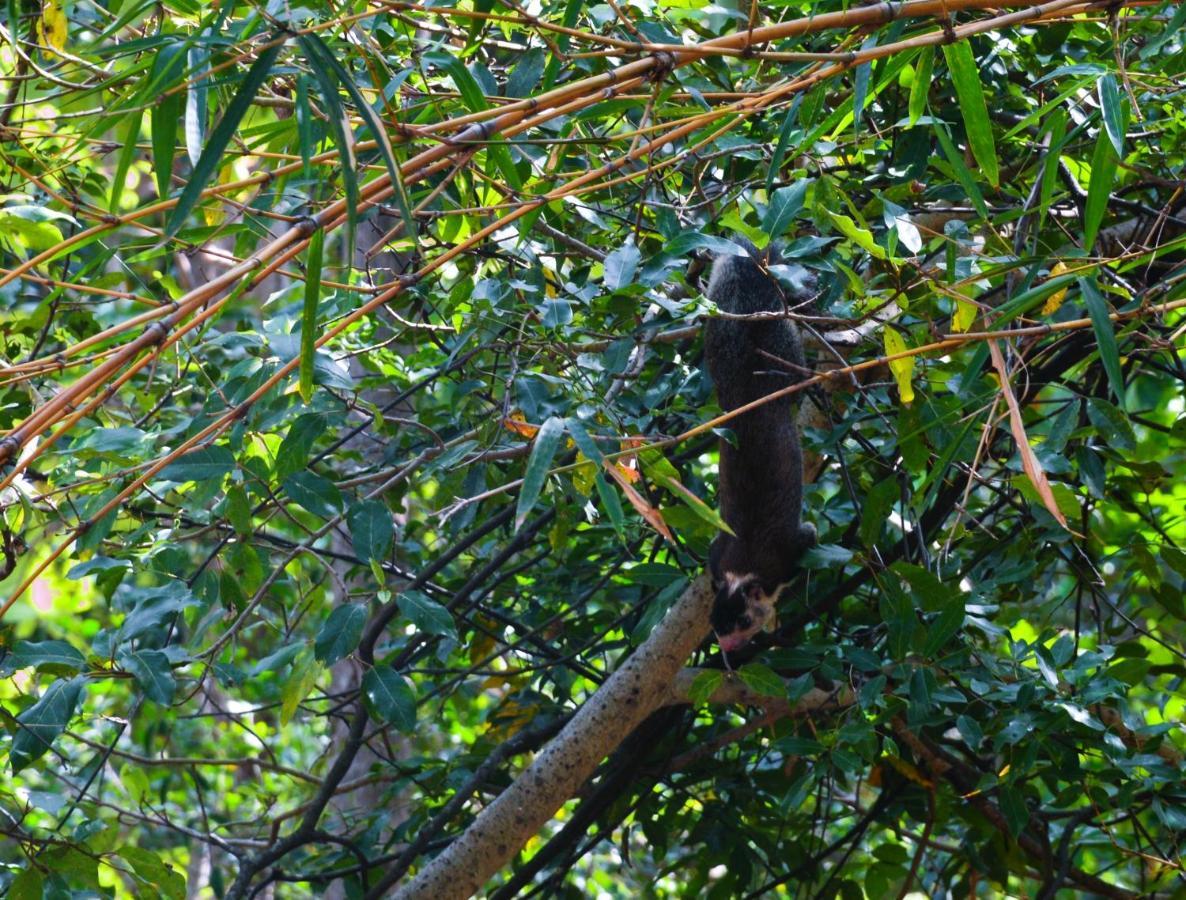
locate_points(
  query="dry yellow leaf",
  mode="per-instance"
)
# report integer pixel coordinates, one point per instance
(1054, 301)
(51, 27)
(965, 315)
(902, 369)
(517, 423)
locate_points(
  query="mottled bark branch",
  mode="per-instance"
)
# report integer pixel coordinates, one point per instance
(641, 685)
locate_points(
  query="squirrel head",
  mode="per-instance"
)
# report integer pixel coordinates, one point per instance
(742, 608)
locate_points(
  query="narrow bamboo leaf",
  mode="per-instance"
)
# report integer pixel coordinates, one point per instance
(305, 132)
(309, 313)
(546, 443)
(959, 170)
(1105, 336)
(1058, 132)
(374, 123)
(1099, 188)
(195, 104)
(343, 138)
(612, 504)
(124, 161)
(860, 90)
(1113, 112)
(922, 83)
(966, 78)
(211, 156)
(784, 141)
(165, 116)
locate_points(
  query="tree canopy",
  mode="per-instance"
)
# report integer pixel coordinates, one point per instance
(355, 430)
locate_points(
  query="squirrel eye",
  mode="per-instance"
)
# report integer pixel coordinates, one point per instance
(744, 622)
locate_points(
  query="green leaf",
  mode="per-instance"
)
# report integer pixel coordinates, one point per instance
(309, 313)
(944, 626)
(784, 206)
(339, 124)
(959, 171)
(1115, 118)
(42, 722)
(390, 697)
(621, 265)
(165, 114)
(154, 871)
(317, 50)
(153, 673)
(1111, 424)
(1013, 807)
(293, 453)
(371, 529)
(922, 84)
(127, 152)
(340, 633)
(863, 237)
(547, 440)
(200, 464)
(762, 680)
(784, 141)
(195, 104)
(1105, 336)
(318, 495)
(427, 615)
(966, 77)
(221, 136)
(28, 885)
(704, 685)
(1099, 187)
(49, 655)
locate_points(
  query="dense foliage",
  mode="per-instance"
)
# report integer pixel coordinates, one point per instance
(353, 439)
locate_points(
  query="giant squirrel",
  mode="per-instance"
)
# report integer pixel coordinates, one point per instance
(761, 475)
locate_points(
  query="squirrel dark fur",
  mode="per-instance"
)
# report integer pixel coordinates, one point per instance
(761, 474)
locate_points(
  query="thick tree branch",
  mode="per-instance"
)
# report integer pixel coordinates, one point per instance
(635, 690)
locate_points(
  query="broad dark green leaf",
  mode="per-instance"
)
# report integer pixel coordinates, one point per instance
(340, 633)
(427, 615)
(153, 872)
(390, 697)
(547, 441)
(153, 673)
(620, 266)
(200, 464)
(293, 452)
(371, 529)
(318, 495)
(704, 685)
(309, 314)
(50, 655)
(762, 680)
(41, 723)
(784, 206)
